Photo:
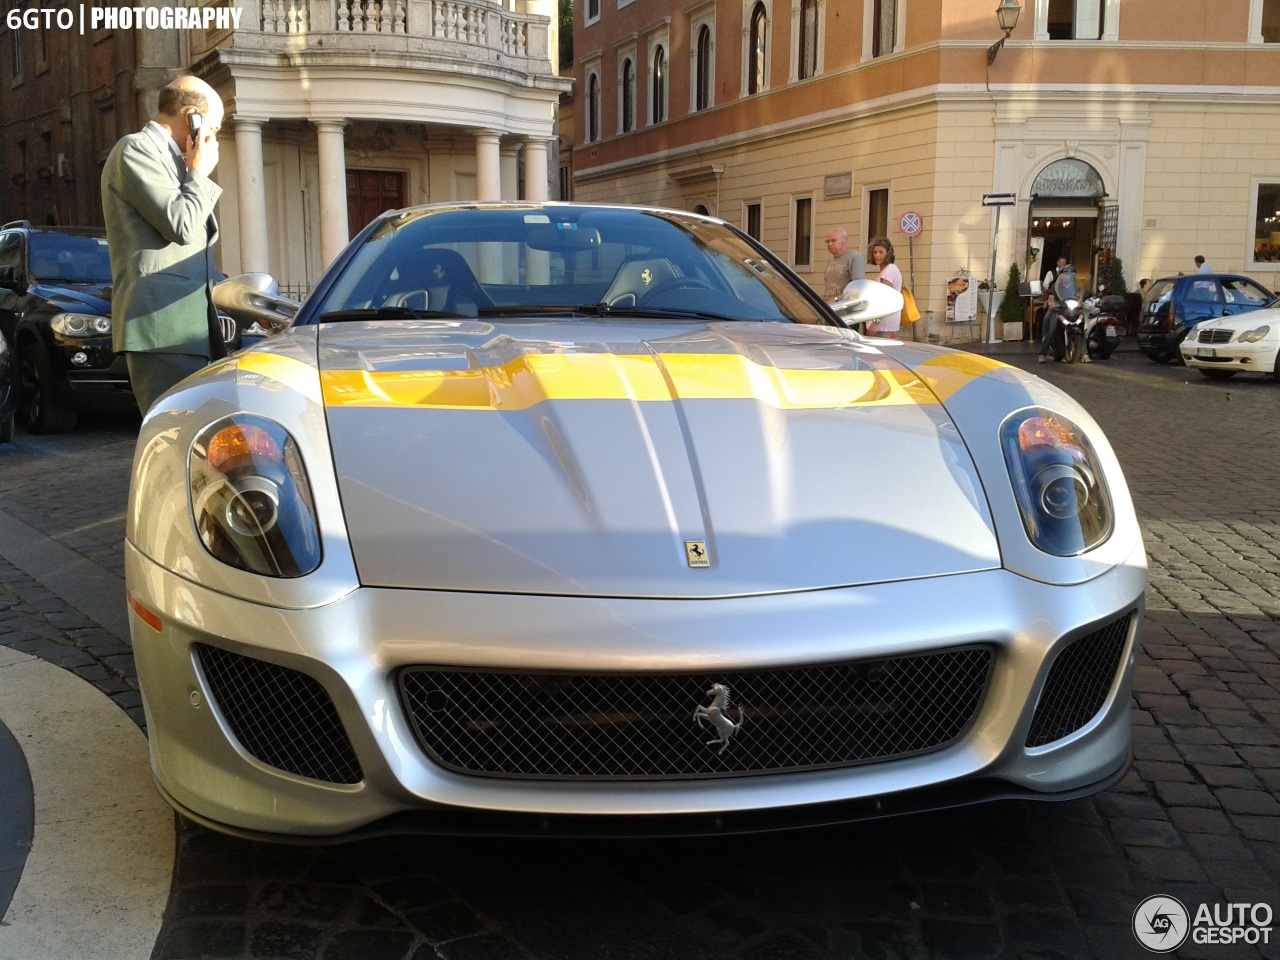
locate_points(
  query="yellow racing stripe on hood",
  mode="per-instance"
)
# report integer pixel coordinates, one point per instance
(947, 373)
(285, 371)
(531, 379)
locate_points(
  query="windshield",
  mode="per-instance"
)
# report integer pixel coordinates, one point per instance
(69, 258)
(544, 261)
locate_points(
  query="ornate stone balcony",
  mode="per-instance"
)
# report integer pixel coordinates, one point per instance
(480, 33)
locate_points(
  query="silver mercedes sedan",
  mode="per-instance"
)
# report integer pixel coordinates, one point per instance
(547, 518)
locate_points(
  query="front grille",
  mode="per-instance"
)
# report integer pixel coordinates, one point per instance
(1078, 683)
(1215, 336)
(643, 726)
(280, 716)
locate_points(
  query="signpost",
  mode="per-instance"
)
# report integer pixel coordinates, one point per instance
(996, 200)
(911, 223)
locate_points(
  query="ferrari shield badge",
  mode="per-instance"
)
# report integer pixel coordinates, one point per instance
(695, 552)
(717, 715)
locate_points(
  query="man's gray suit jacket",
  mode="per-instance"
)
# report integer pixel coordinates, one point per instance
(160, 233)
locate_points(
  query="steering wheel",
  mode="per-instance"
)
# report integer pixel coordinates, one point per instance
(672, 285)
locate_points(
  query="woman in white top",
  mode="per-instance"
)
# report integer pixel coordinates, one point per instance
(882, 255)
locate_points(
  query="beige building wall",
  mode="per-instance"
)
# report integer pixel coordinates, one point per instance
(1176, 106)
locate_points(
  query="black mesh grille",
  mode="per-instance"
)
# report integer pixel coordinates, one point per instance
(629, 726)
(282, 717)
(1078, 683)
(1216, 336)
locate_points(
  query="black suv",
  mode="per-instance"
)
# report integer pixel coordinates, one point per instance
(60, 328)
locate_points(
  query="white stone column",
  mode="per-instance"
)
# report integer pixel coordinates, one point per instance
(538, 267)
(536, 174)
(333, 189)
(488, 166)
(509, 164)
(252, 190)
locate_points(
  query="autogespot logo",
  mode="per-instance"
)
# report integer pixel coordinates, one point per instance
(1161, 923)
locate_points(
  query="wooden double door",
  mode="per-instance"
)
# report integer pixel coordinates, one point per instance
(370, 193)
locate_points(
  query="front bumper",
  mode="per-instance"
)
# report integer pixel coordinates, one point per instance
(353, 648)
(90, 376)
(1241, 357)
(1157, 341)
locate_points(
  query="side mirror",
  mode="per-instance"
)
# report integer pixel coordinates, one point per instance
(867, 300)
(7, 281)
(251, 298)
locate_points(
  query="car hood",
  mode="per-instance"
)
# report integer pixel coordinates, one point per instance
(1249, 320)
(92, 298)
(643, 459)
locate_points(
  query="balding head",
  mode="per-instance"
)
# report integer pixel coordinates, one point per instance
(189, 94)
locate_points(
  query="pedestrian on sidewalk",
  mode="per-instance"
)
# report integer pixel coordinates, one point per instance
(158, 202)
(843, 267)
(882, 256)
(1050, 323)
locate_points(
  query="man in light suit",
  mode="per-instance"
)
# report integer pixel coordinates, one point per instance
(158, 202)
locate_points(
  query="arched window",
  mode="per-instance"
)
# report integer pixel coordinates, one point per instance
(808, 38)
(756, 56)
(593, 108)
(628, 96)
(702, 68)
(658, 109)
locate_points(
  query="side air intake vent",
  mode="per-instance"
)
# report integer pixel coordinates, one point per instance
(280, 716)
(1078, 683)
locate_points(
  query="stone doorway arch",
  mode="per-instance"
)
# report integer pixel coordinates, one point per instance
(1069, 217)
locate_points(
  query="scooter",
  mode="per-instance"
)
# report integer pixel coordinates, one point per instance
(1068, 340)
(1101, 326)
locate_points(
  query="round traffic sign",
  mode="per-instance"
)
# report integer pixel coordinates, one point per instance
(911, 223)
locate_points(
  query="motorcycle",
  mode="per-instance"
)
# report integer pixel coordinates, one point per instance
(1067, 345)
(1101, 325)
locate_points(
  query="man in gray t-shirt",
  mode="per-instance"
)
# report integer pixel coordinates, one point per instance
(845, 265)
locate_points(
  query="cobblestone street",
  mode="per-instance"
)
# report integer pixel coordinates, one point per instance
(1197, 818)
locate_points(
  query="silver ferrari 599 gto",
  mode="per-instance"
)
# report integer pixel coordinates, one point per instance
(556, 517)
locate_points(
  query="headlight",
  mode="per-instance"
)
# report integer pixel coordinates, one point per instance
(1253, 336)
(80, 324)
(1057, 482)
(251, 499)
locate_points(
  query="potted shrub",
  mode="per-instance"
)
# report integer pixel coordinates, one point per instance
(1012, 310)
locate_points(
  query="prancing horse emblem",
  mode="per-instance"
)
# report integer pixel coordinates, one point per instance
(718, 716)
(647, 276)
(695, 551)
(438, 272)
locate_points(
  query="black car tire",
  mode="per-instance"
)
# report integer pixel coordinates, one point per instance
(38, 406)
(1157, 357)
(1219, 374)
(6, 429)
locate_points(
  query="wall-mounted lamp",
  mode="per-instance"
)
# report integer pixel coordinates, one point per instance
(1007, 17)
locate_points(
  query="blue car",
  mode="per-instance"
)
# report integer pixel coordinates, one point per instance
(8, 391)
(1174, 305)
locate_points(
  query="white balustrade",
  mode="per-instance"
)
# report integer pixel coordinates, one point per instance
(473, 22)
(285, 16)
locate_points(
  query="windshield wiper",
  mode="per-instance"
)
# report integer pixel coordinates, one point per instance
(661, 313)
(390, 313)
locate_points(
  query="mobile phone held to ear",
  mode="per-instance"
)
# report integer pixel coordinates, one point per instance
(195, 122)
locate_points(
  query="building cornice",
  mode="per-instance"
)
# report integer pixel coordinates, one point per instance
(1064, 102)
